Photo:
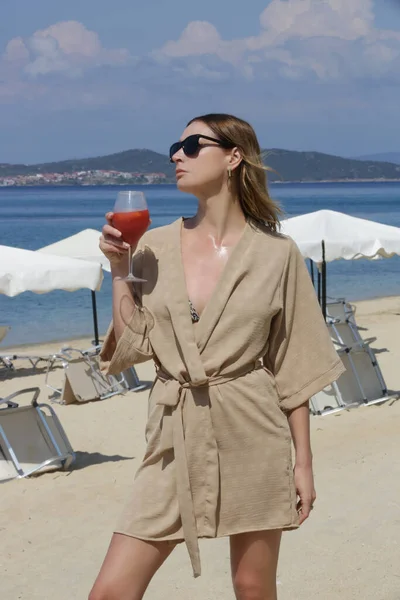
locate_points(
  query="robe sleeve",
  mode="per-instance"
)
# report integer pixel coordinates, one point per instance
(134, 345)
(301, 355)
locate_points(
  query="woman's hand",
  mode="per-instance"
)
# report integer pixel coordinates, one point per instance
(304, 482)
(112, 245)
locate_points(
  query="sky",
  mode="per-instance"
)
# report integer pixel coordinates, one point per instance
(92, 77)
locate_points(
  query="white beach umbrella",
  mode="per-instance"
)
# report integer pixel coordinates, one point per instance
(327, 235)
(28, 271)
(343, 236)
(84, 246)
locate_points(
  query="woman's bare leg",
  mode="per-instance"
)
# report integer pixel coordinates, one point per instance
(254, 562)
(128, 568)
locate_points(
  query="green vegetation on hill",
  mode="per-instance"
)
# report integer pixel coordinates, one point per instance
(289, 166)
(137, 161)
(315, 166)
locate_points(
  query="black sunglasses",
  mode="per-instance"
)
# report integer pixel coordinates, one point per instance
(191, 145)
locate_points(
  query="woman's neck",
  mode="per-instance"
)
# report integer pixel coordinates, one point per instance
(220, 217)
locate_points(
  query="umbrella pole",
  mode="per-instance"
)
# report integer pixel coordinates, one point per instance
(319, 283)
(95, 324)
(323, 273)
(312, 271)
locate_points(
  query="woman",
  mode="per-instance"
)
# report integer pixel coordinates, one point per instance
(229, 315)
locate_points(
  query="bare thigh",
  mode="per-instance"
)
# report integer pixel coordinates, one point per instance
(128, 568)
(254, 562)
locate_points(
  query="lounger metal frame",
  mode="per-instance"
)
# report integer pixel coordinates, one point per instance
(7, 359)
(341, 321)
(65, 459)
(105, 385)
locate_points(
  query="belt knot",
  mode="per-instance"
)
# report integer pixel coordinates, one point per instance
(195, 384)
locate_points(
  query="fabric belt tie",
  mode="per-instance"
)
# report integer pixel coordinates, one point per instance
(173, 437)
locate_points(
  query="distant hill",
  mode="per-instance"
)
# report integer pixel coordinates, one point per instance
(392, 157)
(289, 166)
(316, 166)
(140, 161)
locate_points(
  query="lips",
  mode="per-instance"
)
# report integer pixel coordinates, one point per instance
(179, 172)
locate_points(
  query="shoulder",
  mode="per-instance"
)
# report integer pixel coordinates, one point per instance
(157, 237)
(277, 245)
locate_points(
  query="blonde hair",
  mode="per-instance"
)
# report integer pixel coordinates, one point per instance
(249, 177)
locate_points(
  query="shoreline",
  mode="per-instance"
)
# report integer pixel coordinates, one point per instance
(173, 183)
(81, 340)
(86, 340)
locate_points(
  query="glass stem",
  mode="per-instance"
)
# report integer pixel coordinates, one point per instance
(130, 261)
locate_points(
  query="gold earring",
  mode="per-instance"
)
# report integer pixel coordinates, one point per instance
(229, 173)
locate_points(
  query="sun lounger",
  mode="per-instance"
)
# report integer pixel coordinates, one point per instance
(329, 401)
(83, 380)
(3, 332)
(342, 312)
(345, 335)
(340, 318)
(32, 439)
(339, 308)
(357, 386)
(130, 380)
(8, 359)
(362, 383)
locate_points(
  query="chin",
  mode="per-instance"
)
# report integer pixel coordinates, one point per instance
(183, 185)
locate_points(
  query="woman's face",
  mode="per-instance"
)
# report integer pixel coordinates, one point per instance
(206, 170)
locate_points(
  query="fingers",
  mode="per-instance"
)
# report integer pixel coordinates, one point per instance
(305, 506)
(108, 229)
(113, 236)
(111, 239)
(111, 243)
(304, 510)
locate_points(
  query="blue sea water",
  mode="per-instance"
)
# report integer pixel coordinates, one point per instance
(35, 217)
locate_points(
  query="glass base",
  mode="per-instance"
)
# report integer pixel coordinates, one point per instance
(133, 279)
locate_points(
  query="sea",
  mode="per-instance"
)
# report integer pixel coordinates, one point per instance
(33, 217)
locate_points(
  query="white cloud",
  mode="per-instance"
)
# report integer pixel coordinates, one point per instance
(66, 47)
(16, 50)
(330, 39)
(344, 19)
(199, 37)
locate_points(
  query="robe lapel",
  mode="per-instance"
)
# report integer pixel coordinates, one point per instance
(233, 271)
(178, 306)
(193, 339)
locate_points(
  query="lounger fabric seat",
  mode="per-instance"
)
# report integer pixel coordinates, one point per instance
(362, 383)
(32, 439)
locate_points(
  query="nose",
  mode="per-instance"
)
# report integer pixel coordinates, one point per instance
(178, 156)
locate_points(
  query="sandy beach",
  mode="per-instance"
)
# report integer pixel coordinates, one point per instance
(55, 528)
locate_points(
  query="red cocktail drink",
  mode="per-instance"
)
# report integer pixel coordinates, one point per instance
(131, 224)
(131, 217)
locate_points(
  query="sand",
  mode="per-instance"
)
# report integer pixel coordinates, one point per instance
(55, 529)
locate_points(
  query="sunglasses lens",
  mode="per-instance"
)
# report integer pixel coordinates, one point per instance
(191, 145)
(174, 149)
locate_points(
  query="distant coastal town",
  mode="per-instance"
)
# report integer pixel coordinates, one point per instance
(94, 177)
(135, 167)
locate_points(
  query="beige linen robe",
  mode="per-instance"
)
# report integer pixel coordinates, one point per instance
(218, 458)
